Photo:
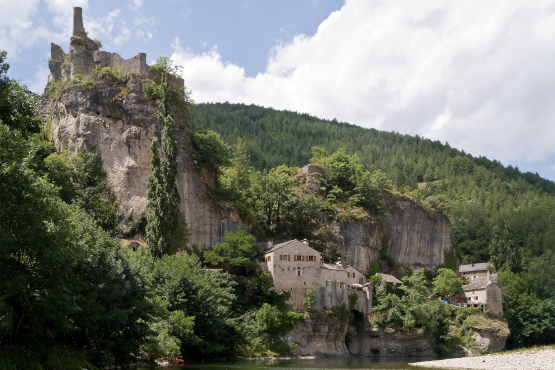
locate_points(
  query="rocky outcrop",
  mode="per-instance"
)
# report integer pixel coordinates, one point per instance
(489, 339)
(417, 237)
(120, 122)
(319, 335)
(375, 341)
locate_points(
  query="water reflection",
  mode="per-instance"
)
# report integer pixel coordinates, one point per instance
(305, 364)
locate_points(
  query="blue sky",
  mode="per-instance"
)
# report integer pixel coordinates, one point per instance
(477, 74)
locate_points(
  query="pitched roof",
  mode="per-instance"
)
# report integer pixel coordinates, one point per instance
(474, 267)
(389, 278)
(293, 242)
(481, 282)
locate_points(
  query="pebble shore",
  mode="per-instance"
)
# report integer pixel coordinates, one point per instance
(532, 359)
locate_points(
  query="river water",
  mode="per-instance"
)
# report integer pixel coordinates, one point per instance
(373, 363)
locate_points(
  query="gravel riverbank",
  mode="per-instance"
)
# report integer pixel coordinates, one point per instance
(531, 359)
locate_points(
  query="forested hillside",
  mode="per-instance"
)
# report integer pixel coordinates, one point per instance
(476, 192)
(497, 212)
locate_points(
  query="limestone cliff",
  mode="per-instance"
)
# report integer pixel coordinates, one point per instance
(416, 237)
(120, 122)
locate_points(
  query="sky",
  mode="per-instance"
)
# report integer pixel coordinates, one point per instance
(479, 75)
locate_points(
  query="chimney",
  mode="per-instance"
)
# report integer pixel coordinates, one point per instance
(471, 265)
(304, 241)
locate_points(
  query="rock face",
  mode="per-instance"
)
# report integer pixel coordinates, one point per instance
(490, 339)
(120, 122)
(327, 336)
(320, 336)
(415, 237)
(374, 341)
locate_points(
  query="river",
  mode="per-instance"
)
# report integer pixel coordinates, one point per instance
(373, 363)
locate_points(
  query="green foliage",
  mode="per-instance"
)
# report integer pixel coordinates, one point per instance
(98, 43)
(384, 252)
(347, 179)
(446, 284)
(438, 202)
(112, 74)
(482, 193)
(504, 250)
(353, 298)
(531, 320)
(165, 231)
(237, 250)
(205, 294)
(210, 151)
(60, 274)
(265, 328)
(310, 300)
(450, 261)
(18, 105)
(82, 181)
(178, 97)
(372, 269)
(135, 226)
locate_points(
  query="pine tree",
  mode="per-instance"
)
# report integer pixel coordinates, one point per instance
(162, 212)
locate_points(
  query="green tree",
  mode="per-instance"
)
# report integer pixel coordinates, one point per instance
(310, 300)
(18, 106)
(238, 250)
(271, 193)
(60, 275)
(206, 295)
(504, 250)
(210, 151)
(162, 212)
(446, 284)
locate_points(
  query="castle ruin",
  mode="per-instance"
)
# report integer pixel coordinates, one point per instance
(84, 56)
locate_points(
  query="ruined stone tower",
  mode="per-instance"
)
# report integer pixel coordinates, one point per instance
(84, 56)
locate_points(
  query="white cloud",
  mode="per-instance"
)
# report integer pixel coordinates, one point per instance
(476, 74)
(38, 82)
(137, 3)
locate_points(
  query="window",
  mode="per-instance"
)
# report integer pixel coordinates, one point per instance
(298, 271)
(302, 258)
(328, 284)
(269, 259)
(288, 257)
(297, 258)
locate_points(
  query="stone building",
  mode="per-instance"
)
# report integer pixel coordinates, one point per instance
(389, 279)
(295, 267)
(84, 56)
(482, 291)
(474, 270)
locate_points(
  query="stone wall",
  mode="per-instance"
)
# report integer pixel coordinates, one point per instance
(494, 300)
(296, 277)
(84, 56)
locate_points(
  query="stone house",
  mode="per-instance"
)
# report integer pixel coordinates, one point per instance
(474, 270)
(482, 291)
(389, 279)
(295, 267)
